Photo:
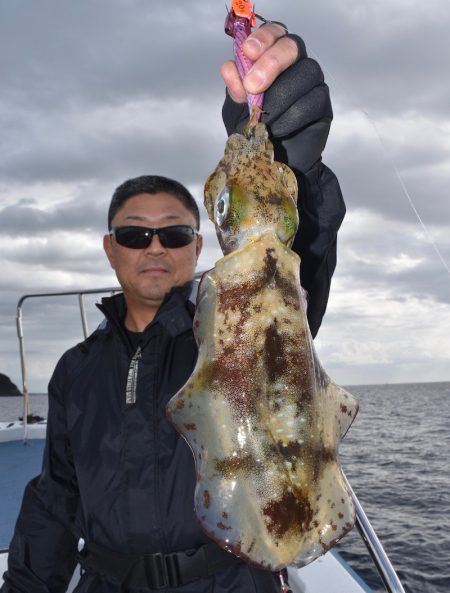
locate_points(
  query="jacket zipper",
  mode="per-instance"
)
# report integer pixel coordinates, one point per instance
(132, 377)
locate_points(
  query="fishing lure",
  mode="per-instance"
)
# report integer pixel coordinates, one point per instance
(238, 24)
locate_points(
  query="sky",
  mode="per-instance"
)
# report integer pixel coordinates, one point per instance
(92, 93)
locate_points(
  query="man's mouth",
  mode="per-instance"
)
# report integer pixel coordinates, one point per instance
(154, 270)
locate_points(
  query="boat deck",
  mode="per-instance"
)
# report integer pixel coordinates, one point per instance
(20, 463)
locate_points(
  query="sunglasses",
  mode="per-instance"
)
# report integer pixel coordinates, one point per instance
(140, 237)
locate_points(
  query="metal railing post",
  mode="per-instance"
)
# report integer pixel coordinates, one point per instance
(383, 564)
(26, 396)
(84, 322)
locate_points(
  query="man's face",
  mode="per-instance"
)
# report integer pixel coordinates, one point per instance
(146, 275)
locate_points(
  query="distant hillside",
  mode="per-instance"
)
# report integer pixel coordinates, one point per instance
(7, 387)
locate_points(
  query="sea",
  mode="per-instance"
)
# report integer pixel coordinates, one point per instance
(396, 457)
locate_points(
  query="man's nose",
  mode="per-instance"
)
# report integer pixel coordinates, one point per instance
(155, 246)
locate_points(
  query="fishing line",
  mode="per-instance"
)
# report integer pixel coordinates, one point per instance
(390, 160)
(407, 194)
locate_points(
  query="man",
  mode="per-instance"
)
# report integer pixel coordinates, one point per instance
(115, 472)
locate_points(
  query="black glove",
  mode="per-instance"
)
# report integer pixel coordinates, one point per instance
(297, 111)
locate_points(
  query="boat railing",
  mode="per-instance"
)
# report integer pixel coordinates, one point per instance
(381, 560)
(382, 563)
(80, 294)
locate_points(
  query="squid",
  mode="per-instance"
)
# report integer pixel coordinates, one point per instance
(260, 414)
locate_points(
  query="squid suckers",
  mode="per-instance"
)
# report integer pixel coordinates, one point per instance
(261, 416)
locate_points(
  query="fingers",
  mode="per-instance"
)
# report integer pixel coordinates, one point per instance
(271, 63)
(233, 81)
(262, 39)
(271, 52)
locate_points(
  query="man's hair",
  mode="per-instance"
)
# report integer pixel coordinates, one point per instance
(151, 184)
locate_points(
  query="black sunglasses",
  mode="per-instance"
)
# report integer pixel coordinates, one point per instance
(140, 237)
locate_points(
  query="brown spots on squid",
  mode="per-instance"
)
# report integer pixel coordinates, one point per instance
(316, 456)
(233, 374)
(237, 464)
(291, 512)
(290, 452)
(275, 199)
(300, 402)
(190, 426)
(321, 456)
(282, 360)
(270, 267)
(220, 525)
(206, 499)
(234, 298)
(276, 406)
(238, 297)
(286, 285)
(326, 547)
(274, 353)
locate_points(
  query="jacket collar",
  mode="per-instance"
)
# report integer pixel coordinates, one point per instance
(173, 313)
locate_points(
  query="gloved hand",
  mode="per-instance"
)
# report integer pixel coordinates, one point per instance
(297, 110)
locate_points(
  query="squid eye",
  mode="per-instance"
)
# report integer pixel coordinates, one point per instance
(221, 206)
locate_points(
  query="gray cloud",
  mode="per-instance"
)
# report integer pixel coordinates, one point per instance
(386, 57)
(357, 159)
(83, 154)
(23, 218)
(105, 52)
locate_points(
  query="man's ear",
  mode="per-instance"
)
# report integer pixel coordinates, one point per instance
(107, 246)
